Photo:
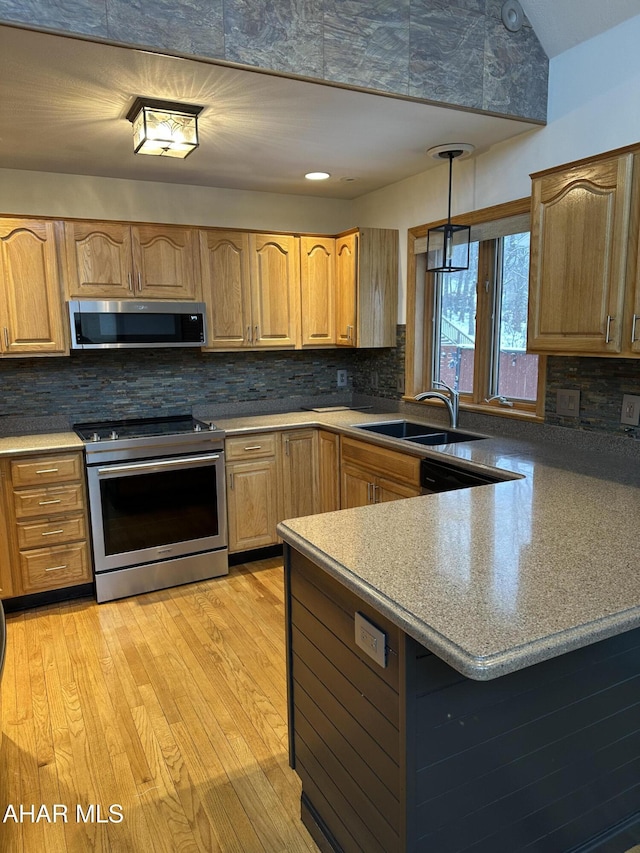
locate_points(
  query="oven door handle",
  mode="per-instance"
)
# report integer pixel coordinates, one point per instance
(154, 467)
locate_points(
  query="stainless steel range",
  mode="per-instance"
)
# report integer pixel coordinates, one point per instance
(156, 501)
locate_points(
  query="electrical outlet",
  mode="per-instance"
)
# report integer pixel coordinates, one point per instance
(630, 410)
(341, 378)
(568, 403)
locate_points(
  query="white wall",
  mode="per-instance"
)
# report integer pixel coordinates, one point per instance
(594, 106)
(46, 194)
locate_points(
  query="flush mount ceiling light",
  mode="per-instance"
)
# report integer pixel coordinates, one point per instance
(317, 176)
(163, 128)
(448, 244)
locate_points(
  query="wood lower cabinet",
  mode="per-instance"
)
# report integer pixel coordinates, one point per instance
(252, 490)
(584, 280)
(6, 580)
(31, 314)
(373, 474)
(299, 472)
(328, 471)
(110, 260)
(47, 522)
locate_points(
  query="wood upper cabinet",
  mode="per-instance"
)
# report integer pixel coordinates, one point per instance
(318, 291)
(107, 260)
(251, 285)
(31, 302)
(275, 290)
(579, 242)
(346, 289)
(373, 474)
(367, 288)
(299, 455)
(224, 262)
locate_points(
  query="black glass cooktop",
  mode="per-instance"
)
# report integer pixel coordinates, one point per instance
(139, 427)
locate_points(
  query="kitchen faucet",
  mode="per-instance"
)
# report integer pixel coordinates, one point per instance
(452, 402)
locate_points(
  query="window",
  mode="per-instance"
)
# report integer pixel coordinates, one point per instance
(468, 329)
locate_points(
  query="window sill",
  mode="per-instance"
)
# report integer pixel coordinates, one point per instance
(484, 409)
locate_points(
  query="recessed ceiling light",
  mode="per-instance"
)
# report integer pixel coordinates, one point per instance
(317, 176)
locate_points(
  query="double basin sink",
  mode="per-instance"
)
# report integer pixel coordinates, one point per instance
(418, 433)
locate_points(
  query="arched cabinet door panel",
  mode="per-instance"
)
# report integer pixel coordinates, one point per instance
(579, 243)
(275, 289)
(31, 314)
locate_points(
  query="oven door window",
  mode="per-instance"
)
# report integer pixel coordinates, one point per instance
(159, 508)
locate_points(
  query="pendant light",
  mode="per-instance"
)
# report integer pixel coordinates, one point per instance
(448, 244)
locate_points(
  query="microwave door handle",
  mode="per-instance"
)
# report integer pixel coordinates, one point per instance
(156, 467)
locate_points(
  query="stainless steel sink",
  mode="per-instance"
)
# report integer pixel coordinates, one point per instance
(418, 433)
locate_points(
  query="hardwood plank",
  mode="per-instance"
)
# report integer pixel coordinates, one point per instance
(171, 704)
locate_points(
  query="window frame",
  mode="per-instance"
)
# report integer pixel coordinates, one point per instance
(421, 321)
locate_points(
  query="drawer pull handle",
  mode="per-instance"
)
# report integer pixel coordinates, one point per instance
(48, 471)
(44, 503)
(55, 568)
(254, 447)
(52, 532)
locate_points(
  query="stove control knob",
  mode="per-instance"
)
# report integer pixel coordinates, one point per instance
(95, 437)
(113, 434)
(212, 426)
(197, 428)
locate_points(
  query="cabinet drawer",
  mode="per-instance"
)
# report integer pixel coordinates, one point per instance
(48, 568)
(50, 501)
(398, 466)
(39, 534)
(33, 471)
(250, 446)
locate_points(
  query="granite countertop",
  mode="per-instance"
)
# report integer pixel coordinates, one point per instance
(496, 578)
(14, 445)
(491, 579)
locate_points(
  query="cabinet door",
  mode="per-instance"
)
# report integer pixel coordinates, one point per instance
(224, 261)
(98, 259)
(299, 472)
(275, 289)
(328, 471)
(390, 490)
(356, 486)
(346, 289)
(6, 583)
(252, 497)
(579, 229)
(164, 260)
(317, 291)
(30, 291)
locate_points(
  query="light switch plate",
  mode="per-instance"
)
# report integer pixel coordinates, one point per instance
(568, 403)
(371, 640)
(630, 410)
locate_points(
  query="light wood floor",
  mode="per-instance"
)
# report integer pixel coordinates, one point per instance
(171, 704)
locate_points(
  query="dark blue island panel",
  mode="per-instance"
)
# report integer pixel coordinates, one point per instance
(416, 757)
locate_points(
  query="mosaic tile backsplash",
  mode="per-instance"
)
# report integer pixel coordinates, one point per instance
(119, 384)
(602, 382)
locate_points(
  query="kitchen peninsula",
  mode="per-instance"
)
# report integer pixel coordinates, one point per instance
(506, 715)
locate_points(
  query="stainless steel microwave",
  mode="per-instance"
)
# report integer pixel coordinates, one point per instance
(130, 323)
